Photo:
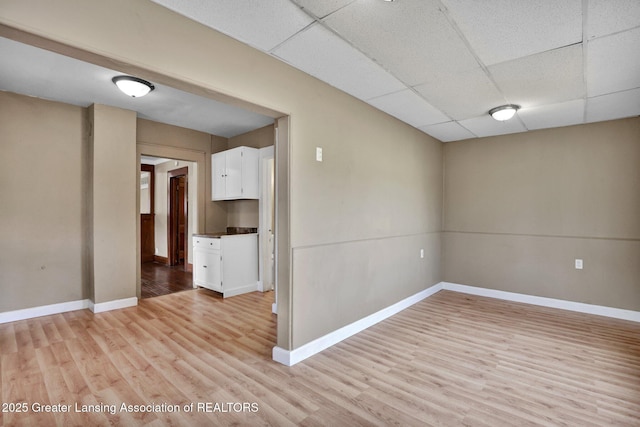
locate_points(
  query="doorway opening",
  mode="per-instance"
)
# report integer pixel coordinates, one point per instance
(178, 217)
(168, 214)
(147, 215)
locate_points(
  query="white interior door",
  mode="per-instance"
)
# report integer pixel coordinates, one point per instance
(270, 223)
(267, 220)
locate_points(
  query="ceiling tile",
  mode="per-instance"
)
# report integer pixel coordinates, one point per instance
(553, 115)
(446, 132)
(464, 95)
(613, 63)
(322, 8)
(545, 78)
(487, 126)
(611, 16)
(319, 52)
(502, 30)
(412, 39)
(614, 106)
(409, 107)
(261, 24)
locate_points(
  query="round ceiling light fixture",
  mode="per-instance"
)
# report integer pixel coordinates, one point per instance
(504, 112)
(133, 86)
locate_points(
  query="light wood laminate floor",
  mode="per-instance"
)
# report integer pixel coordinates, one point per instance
(450, 360)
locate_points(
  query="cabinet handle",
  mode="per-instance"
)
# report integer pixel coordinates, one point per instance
(204, 266)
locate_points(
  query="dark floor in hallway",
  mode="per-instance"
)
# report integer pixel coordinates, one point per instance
(159, 279)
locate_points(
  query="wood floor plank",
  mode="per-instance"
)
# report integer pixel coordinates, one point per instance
(22, 335)
(54, 382)
(94, 366)
(73, 378)
(8, 343)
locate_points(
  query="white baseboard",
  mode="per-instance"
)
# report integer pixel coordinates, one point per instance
(291, 357)
(44, 310)
(241, 290)
(599, 310)
(113, 305)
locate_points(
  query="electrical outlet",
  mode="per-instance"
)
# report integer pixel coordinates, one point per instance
(318, 154)
(421, 253)
(578, 264)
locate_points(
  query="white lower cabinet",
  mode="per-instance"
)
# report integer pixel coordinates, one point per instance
(207, 269)
(227, 264)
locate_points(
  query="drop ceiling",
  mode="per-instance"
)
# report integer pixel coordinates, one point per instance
(441, 65)
(438, 65)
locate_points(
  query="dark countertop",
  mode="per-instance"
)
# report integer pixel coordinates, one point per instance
(231, 231)
(222, 234)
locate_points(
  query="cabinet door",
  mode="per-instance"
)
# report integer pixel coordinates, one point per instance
(199, 269)
(218, 176)
(207, 269)
(214, 271)
(234, 173)
(250, 173)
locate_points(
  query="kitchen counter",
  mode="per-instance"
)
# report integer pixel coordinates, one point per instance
(231, 231)
(221, 234)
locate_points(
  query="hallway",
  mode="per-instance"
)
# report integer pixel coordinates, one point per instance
(158, 279)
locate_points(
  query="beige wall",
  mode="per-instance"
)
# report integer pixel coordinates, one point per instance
(363, 214)
(259, 138)
(242, 213)
(114, 214)
(380, 182)
(43, 151)
(519, 209)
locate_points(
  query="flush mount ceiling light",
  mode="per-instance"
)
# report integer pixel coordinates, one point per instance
(133, 86)
(504, 112)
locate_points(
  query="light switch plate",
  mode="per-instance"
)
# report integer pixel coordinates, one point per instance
(318, 154)
(578, 264)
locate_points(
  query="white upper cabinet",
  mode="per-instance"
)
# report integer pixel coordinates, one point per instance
(234, 174)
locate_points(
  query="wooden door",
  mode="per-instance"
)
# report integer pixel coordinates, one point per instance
(178, 223)
(147, 215)
(181, 215)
